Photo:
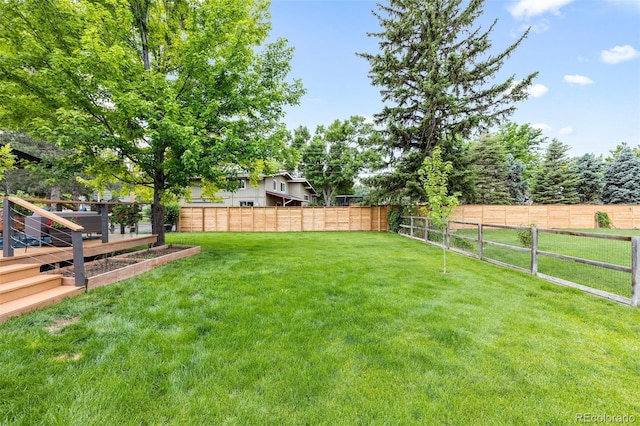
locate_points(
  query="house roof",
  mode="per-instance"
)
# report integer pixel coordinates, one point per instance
(285, 196)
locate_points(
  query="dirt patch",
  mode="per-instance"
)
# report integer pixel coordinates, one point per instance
(61, 323)
(113, 263)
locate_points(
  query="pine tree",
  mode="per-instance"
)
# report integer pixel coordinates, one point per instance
(491, 171)
(516, 182)
(622, 178)
(556, 179)
(590, 178)
(437, 81)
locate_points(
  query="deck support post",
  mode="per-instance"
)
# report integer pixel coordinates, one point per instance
(104, 221)
(78, 258)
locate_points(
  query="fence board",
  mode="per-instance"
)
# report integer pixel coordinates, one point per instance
(282, 219)
(578, 216)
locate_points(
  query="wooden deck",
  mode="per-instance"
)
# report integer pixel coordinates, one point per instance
(91, 247)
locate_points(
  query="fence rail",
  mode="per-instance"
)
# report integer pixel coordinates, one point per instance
(282, 219)
(605, 265)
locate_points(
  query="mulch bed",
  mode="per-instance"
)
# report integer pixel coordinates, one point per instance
(101, 266)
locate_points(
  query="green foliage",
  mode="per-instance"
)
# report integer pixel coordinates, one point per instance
(335, 156)
(126, 214)
(523, 143)
(434, 175)
(394, 218)
(516, 183)
(603, 220)
(556, 179)
(147, 91)
(171, 213)
(491, 171)
(437, 82)
(622, 178)
(589, 169)
(525, 235)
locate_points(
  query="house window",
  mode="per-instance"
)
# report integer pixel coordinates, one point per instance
(306, 198)
(246, 203)
(243, 184)
(275, 185)
(283, 187)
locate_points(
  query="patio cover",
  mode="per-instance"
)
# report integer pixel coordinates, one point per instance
(285, 197)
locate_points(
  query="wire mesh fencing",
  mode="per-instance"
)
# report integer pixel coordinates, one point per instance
(606, 265)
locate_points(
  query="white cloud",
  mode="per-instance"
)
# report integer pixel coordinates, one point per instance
(619, 54)
(578, 79)
(541, 126)
(540, 27)
(537, 90)
(525, 9)
(565, 131)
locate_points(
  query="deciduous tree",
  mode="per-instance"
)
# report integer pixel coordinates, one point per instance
(152, 92)
(336, 155)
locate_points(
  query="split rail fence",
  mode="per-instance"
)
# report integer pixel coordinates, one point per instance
(282, 219)
(601, 264)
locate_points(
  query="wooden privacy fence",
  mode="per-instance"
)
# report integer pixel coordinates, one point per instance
(578, 216)
(282, 219)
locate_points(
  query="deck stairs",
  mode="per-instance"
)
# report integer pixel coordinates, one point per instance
(23, 289)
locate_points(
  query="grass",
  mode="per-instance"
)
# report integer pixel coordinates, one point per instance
(321, 328)
(597, 249)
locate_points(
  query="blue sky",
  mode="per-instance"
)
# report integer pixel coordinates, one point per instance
(587, 53)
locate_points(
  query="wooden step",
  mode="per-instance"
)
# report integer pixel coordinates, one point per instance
(38, 300)
(17, 272)
(28, 286)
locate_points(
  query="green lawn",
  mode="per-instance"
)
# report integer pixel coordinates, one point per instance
(321, 328)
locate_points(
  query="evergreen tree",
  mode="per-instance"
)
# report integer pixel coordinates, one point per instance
(524, 143)
(622, 178)
(491, 171)
(516, 182)
(556, 179)
(461, 177)
(437, 82)
(590, 178)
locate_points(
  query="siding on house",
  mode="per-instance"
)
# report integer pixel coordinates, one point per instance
(275, 190)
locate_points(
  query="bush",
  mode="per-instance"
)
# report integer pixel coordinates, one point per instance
(171, 213)
(603, 220)
(525, 236)
(394, 218)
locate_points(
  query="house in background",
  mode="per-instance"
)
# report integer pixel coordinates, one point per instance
(280, 189)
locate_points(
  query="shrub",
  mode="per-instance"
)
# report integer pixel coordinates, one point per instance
(603, 220)
(525, 235)
(171, 213)
(394, 218)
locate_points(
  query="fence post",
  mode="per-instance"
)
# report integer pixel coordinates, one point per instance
(480, 254)
(534, 250)
(411, 229)
(635, 271)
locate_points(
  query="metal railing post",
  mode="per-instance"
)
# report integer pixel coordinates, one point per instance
(78, 258)
(7, 229)
(635, 271)
(104, 222)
